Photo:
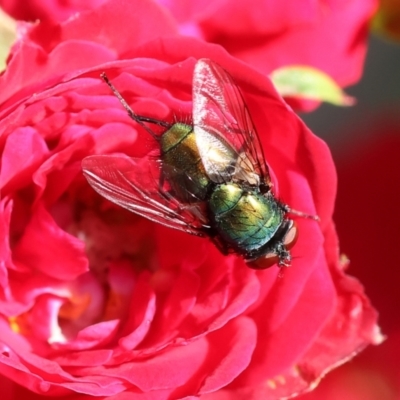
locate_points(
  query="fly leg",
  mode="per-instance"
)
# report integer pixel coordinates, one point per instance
(283, 254)
(287, 209)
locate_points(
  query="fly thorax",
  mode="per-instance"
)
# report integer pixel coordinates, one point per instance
(175, 135)
(245, 218)
(181, 164)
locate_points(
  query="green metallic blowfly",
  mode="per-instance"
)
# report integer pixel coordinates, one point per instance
(209, 179)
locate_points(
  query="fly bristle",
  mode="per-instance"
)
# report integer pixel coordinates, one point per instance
(181, 118)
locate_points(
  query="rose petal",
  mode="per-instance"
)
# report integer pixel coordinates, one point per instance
(139, 323)
(233, 348)
(83, 358)
(64, 257)
(23, 151)
(168, 369)
(180, 299)
(33, 10)
(94, 335)
(5, 251)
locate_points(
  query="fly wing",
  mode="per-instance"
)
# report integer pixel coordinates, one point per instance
(135, 184)
(225, 134)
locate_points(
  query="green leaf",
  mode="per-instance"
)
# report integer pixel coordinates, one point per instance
(309, 83)
(8, 34)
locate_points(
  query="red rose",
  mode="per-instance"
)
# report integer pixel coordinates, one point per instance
(98, 301)
(367, 216)
(47, 10)
(328, 35)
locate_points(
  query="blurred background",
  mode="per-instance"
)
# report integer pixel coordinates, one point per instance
(377, 95)
(365, 142)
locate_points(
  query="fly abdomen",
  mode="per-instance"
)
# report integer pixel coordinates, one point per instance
(182, 165)
(246, 220)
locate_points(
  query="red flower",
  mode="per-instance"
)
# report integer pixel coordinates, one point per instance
(97, 301)
(328, 35)
(367, 216)
(47, 10)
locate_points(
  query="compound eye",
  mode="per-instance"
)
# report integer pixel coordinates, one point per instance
(291, 236)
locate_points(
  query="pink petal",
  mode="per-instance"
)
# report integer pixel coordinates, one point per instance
(5, 251)
(23, 151)
(231, 350)
(64, 257)
(167, 370)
